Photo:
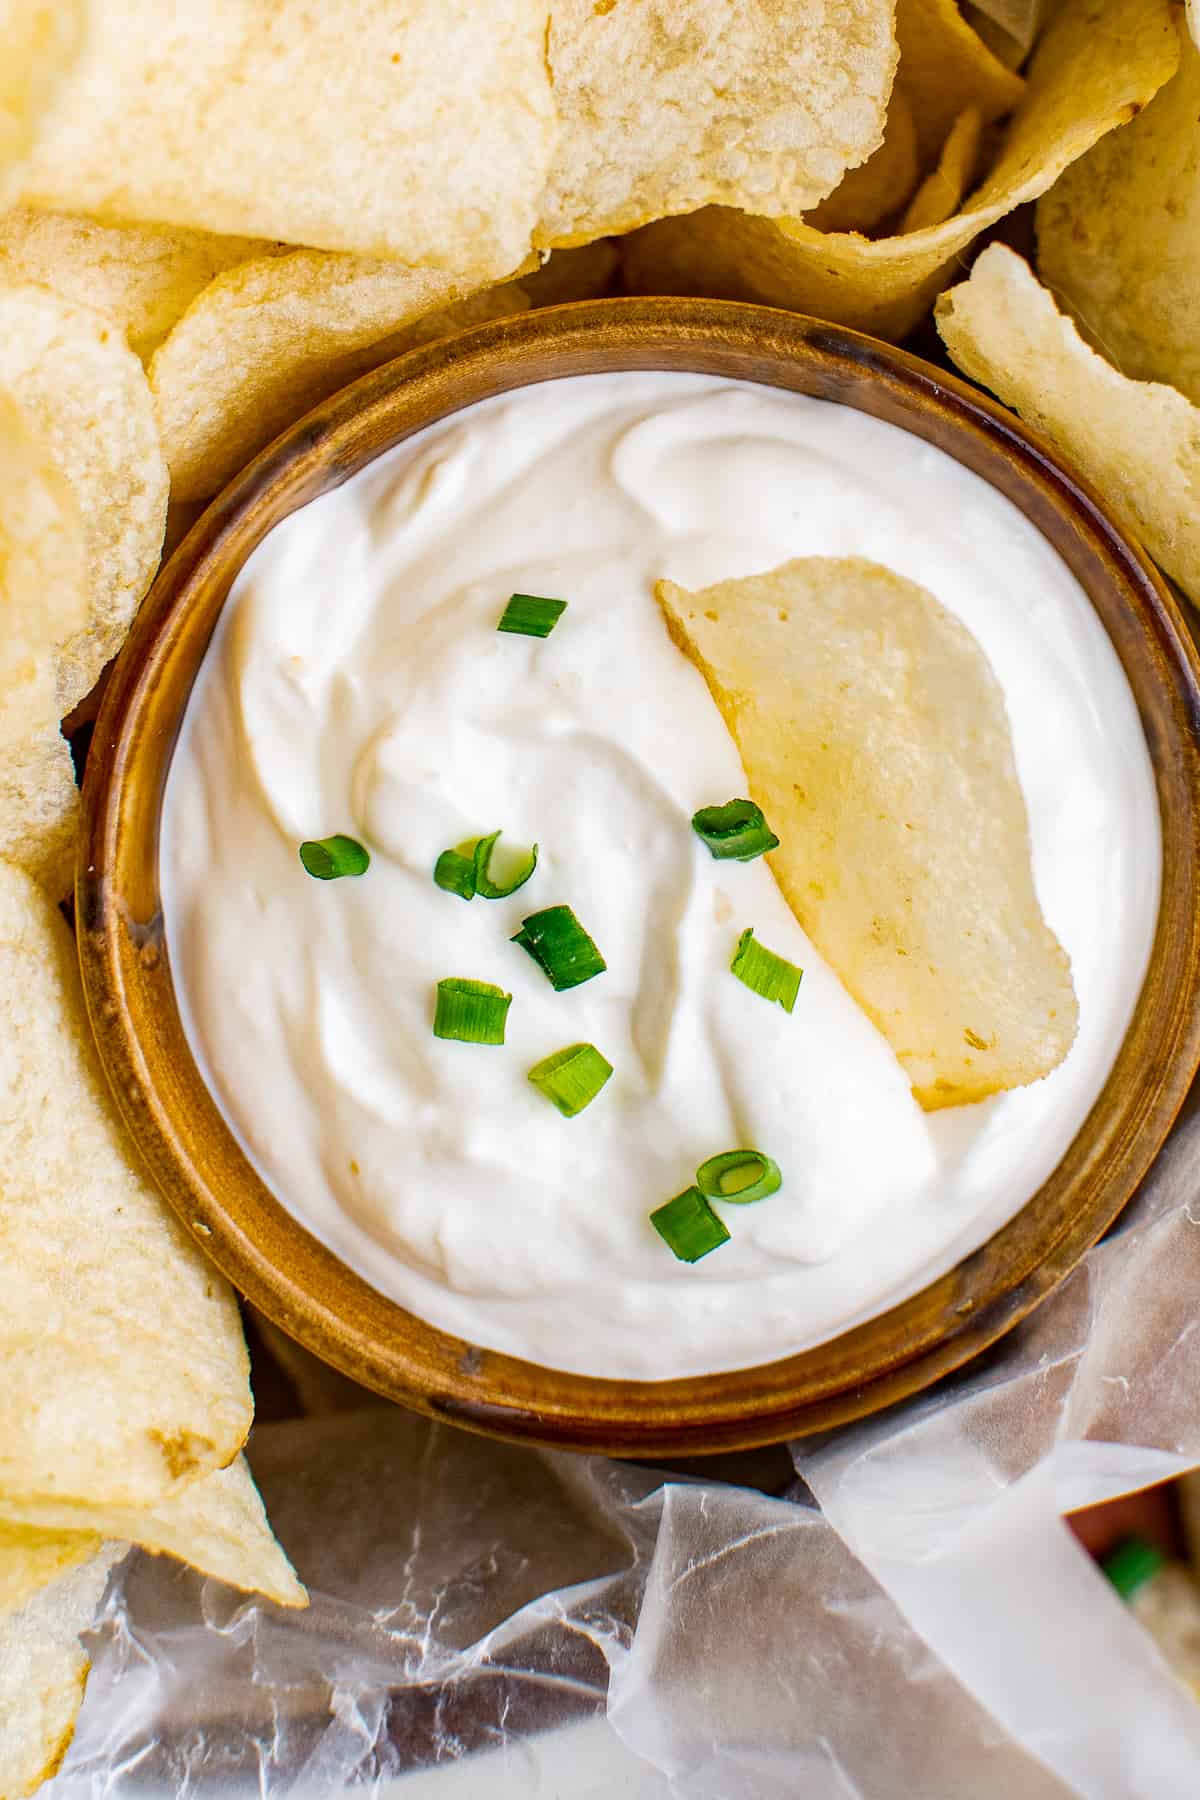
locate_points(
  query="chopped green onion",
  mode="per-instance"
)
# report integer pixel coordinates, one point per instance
(734, 831)
(561, 947)
(531, 615)
(471, 1012)
(498, 890)
(765, 973)
(571, 1078)
(456, 873)
(689, 1226)
(739, 1175)
(327, 859)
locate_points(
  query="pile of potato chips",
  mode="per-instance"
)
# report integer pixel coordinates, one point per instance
(211, 216)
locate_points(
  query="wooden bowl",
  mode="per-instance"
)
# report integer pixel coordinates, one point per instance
(178, 1126)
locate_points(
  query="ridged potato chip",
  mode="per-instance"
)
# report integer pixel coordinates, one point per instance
(421, 131)
(877, 187)
(85, 393)
(946, 67)
(1119, 238)
(667, 105)
(1138, 441)
(940, 194)
(874, 736)
(43, 600)
(141, 277)
(1098, 63)
(43, 1670)
(271, 338)
(217, 1525)
(123, 1372)
(42, 40)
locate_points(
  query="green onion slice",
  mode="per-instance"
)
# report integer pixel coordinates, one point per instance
(571, 1078)
(765, 973)
(328, 859)
(736, 831)
(470, 1012)
(561, 947)
(456, 873)
(689, 1226)
(740, 1176)
(531, 615)
(499, 890)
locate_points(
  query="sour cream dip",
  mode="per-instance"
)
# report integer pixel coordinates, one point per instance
(357, 684)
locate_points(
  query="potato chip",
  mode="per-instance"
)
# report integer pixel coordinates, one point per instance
(1119, 238)
(1097, 64)
(267, 340)
(43, 1670)
(947, 68)
(874, 737)
(666, 105)
(40, 809)
(42, 41)
(43, 600)
(141, 277)
(123, 1373)
(217, 1525)
(421, 131)
(877, 187)
(31, 1558)
(1138, 441)
(579, 274)
(86, 394)
(940, 194)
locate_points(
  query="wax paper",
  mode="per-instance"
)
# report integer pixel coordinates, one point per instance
(909, 1620)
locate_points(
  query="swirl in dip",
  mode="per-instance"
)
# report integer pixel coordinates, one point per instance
(357, 684)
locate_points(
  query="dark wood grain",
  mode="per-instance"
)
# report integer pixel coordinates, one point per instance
(178, 1126)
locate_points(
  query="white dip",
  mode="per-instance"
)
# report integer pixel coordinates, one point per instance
(358, 684)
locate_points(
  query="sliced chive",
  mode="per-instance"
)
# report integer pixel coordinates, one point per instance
(328, 859)
(531, 615)
(456, 873)
(689, 1226)
(571, 1078)
(471, 1012)
(740, 1176)
(561, 947)
(736, 831)
(765, 973)
(499, 890)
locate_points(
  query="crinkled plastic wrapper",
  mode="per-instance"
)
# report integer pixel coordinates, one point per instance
(911, 1620)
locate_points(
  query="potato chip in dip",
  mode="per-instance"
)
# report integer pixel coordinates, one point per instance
(521, 1022)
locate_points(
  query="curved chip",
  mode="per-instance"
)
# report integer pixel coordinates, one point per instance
(940, 194)
(271, 338)
(43, 600)
(217, 1525)
(875, 738)
(1097, 64)
(32, 1557)
(43, 1670)
(877, 187)
(422, 131)
(86, 394)
(1139, 441)
(1119, 238)
(141, 277)
(42, 42)
(123, 1372)
(667, 105)
(946, 68)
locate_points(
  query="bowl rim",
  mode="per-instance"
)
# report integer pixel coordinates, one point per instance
(190, 1150)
